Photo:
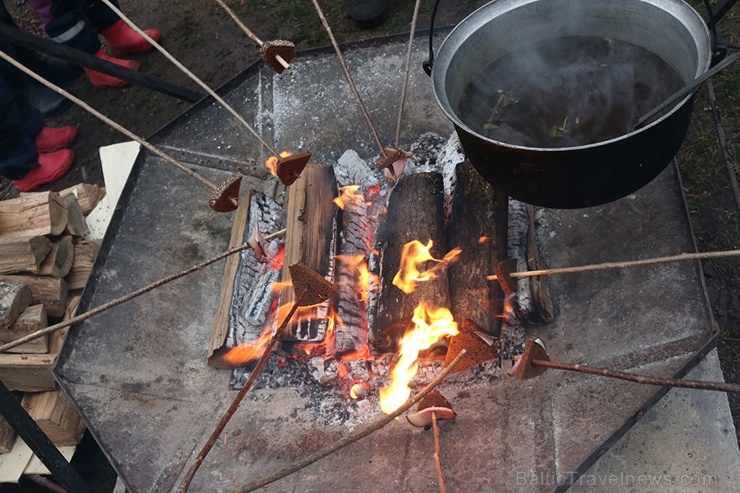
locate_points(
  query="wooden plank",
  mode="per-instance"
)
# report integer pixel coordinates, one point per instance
(23, 254)
(31, 320)
(85, 253)
(88, 195)
(33, 214)
(56, 416)
(76, 225)
(311, 239)
(35, 466)
(13, 463)
(49, 291)
(221, 320)
(14, 299)
(58, 262)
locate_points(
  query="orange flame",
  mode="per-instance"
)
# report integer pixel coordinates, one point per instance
(244, 354)
(413, 255)
(431, 325)
(349, 194)
(272, 162)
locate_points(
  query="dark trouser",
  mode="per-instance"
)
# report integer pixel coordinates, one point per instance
(20, 122)
(76, 23)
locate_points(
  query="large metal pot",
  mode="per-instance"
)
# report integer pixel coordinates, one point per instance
(588, 175)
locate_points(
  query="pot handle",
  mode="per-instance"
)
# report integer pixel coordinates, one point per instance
(427, 66)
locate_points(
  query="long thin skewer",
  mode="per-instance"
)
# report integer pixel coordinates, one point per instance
(622, 265)
(249, 33)
(407, 70)
(192, 76)
(135, 294)
(348, 76)
(107, 120)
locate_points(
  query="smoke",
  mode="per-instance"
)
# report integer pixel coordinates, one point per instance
(565, 92)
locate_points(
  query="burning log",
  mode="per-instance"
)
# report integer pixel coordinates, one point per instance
(473, 226)
(311, 239)
(415, 211)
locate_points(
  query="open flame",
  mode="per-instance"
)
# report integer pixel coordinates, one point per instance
(430, 325)
(415, 254)
(245, 354)
(349, 194)
(272, 162)
(364, 279)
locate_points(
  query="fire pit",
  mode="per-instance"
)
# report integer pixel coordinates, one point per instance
(138, 372)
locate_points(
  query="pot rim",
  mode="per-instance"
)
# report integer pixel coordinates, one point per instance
(445, 107)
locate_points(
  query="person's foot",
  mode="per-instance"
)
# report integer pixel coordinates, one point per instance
(122, 40)
(46, 100)
(368, 13)
(52, 166)
(52, 139)
(100, 80)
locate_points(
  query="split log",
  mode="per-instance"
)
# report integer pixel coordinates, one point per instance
(473, 226)
(31, 320)
(49, 291)
(311, 238)
(88, 195)
(76, 225)
(33, 214)
(27, 372)
(14, 299)
(85, 253)
(56, 416)
(23, 254)
(415, 212)
(58, 262)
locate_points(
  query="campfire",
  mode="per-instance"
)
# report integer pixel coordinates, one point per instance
(409, 257)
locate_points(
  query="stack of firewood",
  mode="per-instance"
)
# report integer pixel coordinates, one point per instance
(45, 260)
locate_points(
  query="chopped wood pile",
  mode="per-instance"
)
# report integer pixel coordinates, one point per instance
(45, 260)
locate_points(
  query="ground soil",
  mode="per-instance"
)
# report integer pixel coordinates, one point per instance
(202, 36)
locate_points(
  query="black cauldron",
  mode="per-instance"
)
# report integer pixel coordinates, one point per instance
(586, 175)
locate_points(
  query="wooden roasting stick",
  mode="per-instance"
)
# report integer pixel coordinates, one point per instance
(224, 198)
(311, 289)
(310, 239)
(135, 294)
(291, 161)
(353, 437)
(274, 53)
(535, 361)
(622, 265)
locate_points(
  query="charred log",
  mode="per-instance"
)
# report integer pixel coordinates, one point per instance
(473, 227)
(415, 211)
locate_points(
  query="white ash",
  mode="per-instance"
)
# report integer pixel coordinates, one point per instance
(518, 249)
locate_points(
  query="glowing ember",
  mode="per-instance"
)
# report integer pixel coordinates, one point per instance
(484, 239)
(349, 194)
(272, 162)
(415, 254)
(431, 325)
(355, 391)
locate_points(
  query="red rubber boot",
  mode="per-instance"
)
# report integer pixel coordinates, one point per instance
(52, 166)
(52, 139)
(122, 40)
(100, 80)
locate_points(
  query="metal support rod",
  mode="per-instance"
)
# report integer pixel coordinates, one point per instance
(39, 443)
(38, 44)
